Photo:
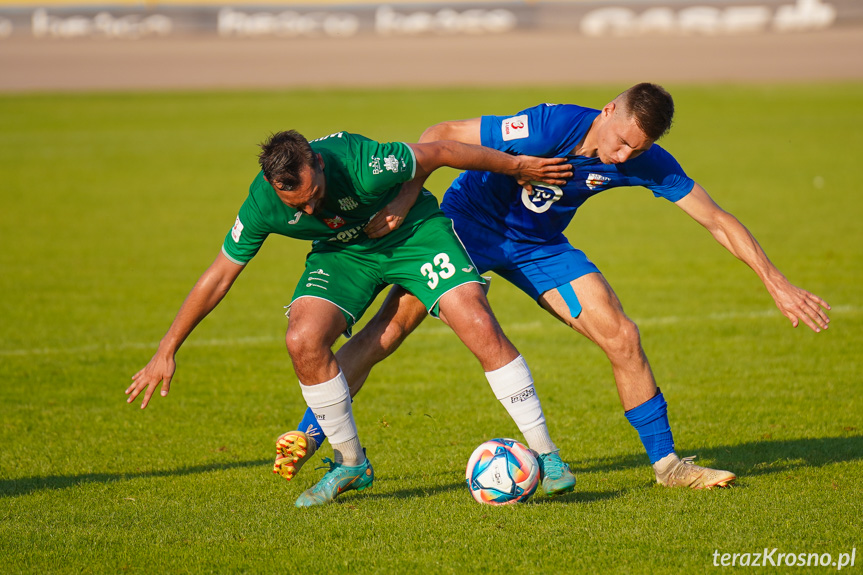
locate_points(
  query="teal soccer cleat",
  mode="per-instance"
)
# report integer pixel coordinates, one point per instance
(555, 474)
(337, 480)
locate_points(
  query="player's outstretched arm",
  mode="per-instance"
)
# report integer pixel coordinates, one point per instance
(433, 155)
(464, 131)
(392, 216)
(211, 287)
(456, 144)
(795, 303)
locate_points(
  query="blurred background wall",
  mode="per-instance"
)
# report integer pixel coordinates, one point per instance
(346, 18)
(131, 44)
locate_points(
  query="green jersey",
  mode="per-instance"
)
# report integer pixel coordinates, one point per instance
(362, 177)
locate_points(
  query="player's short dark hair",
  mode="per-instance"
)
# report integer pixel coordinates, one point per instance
(282, 157)
(651, 106)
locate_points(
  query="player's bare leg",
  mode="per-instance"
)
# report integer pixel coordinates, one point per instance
(467, 312)
(603, 321)
(312, 346)
(465, 309)
(397, 318)
(399, 315)
(314, 326)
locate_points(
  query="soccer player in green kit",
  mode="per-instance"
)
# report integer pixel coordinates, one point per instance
(327, 191)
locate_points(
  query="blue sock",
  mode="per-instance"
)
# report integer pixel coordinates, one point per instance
(309, 426)
(650, 419)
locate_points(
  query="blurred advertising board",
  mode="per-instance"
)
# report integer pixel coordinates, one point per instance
(595, 18)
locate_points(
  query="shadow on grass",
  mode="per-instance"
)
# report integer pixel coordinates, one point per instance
(13, 487)
(420, 492)
(582, 497)
(746, 459)
(754, 458)
(412, 493)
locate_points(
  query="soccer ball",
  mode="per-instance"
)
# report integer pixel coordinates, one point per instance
(502, 471)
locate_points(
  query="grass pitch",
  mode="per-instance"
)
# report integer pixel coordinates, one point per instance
(112, 206)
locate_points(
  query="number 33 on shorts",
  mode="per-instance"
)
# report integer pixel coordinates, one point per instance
(439, 267)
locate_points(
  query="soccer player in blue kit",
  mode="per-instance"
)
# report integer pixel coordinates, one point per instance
(519, 235)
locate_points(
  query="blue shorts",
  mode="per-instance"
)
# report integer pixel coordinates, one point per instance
(534, 268)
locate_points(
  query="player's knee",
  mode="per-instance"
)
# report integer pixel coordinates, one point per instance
(303, 343)
(293, 341)
(480, 325)
(624, 343)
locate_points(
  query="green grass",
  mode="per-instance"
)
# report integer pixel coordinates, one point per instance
(112, 205)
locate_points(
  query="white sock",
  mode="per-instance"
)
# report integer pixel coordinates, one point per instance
(349, 453)
(539, 440)
(512, 384)
(331, 403)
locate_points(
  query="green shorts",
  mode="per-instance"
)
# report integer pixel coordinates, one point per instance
(428, 262)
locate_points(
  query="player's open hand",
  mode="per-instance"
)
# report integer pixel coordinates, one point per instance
(394, 213)
(383, 223)
(546, 170)
(800, 305)
(159, 370)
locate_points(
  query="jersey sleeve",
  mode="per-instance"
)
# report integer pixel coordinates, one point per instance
(658, 171)
(380, 167)
(537, 131)
(247, 236)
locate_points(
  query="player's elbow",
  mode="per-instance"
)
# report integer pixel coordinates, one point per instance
(724, 226)
(433, 155)
(213, 286)
(436, 133)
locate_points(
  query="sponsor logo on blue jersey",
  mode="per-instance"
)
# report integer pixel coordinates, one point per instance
(596, 181)
(542, 198)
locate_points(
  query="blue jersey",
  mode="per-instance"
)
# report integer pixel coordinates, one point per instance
(548, 130)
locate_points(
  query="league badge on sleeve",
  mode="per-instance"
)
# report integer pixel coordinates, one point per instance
(392, 164)
(237, 230)
(515, 128)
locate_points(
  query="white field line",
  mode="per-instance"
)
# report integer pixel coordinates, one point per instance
(437, 330)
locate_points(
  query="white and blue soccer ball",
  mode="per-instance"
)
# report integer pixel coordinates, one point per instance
(501, 472)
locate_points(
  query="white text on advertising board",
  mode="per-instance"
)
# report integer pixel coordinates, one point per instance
(709, 20)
